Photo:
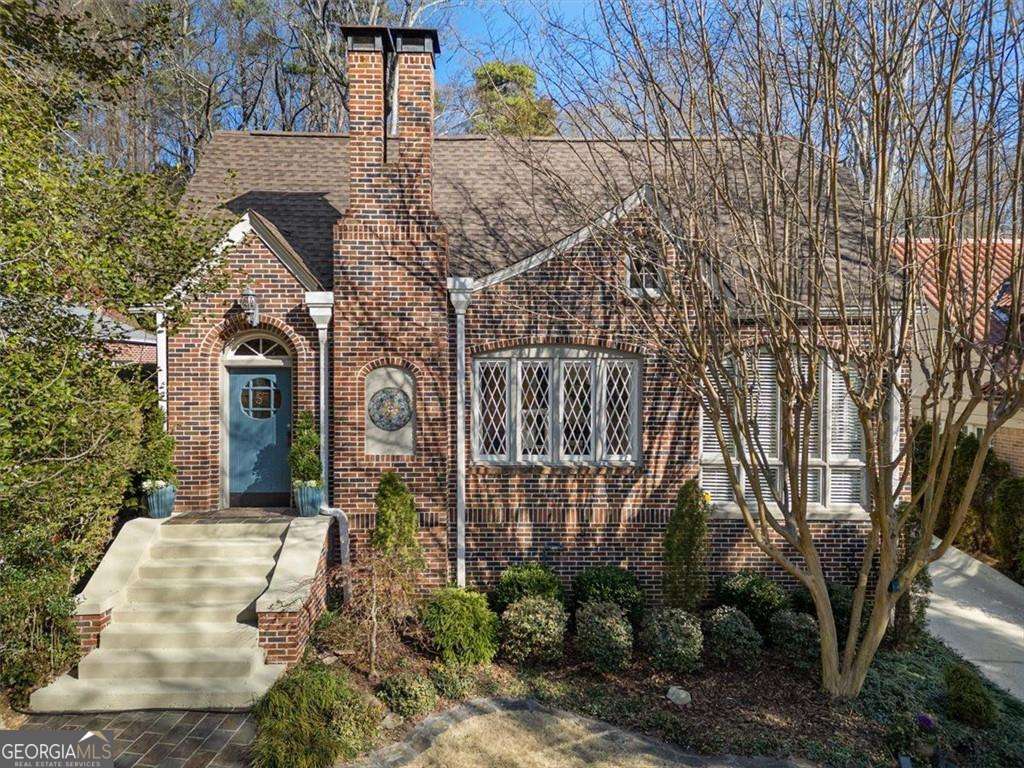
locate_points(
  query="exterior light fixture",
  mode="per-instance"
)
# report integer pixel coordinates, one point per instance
(250, 307)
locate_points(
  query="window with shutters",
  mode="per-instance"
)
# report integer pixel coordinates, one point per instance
(835, 467)
(556, 406)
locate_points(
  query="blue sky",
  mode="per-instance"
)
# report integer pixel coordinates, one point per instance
(485, 28)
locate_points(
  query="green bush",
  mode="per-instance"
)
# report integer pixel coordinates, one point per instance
(967, 698)
(533, 630)
(304, 455)
(408, 694)
(753, 593)
(451, 681)
(525, 580)
(607, 583)
(686, 549)
(731, 638)
(397, 522)
(462, 629)
(156, 447)
(310, 718)
(796, 634)
(673, 640)
(604, 635)
(1008, 525)
(841, 597)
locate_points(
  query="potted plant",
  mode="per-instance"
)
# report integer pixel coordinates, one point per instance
(156, 463)
(304, 460)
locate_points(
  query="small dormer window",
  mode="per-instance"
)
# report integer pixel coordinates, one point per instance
(645, 274)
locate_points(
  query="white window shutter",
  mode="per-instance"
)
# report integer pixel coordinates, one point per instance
(846, 438)
(764, 405)
(714, 478)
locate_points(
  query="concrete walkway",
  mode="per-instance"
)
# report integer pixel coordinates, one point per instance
(980, 613)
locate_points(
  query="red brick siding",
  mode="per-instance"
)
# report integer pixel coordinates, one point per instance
(1008, 444)
(283, 634)
(572, 518)
(390, 270)
(194, 362)
(89, 627)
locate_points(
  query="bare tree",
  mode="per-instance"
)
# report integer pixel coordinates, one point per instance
(793, 155)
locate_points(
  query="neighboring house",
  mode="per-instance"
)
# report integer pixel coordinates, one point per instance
(993, 261)
(124, 340)
(444, 319)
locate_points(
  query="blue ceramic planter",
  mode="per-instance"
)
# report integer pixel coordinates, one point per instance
(308, 500)
(161, 501)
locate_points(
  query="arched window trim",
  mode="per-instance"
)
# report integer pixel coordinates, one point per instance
(830, 464)
(591, 415)
(257, 348)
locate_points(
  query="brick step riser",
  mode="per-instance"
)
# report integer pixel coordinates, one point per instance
(113, 666)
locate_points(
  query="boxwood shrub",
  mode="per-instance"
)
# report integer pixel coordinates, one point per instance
(526, 580)
(603, 635)
(408, 694)
(451, 681)
(797, 635)
(731, 638)
(311, 718)
(607, 583)
(753, 593)
(533, 630)
(462, 629)
(673, 640)
(967, 698)
(841, 597)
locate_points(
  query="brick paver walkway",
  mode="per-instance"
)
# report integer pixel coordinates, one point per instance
(166, 739)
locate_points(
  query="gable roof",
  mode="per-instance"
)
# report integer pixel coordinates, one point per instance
(494, 208)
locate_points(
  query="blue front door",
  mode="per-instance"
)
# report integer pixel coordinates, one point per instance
(259, 432)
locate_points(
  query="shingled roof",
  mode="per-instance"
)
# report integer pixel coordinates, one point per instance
(495, 210)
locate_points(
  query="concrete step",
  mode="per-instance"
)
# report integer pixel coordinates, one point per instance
(196, 634)
(105, 663)
(183, 612)
(70, 694)
(207, 568)
(220, 531)
(213, 549)
(200, 591)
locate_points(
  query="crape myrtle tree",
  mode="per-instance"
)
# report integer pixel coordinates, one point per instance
(791, 157)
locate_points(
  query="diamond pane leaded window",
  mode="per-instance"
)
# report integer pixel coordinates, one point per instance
(492, 394)
(577, 410)
(534, 409)
(618, 408)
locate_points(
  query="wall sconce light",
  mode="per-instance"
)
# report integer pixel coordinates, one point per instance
(250, 307)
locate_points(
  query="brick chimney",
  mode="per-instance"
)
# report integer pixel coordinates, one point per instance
(390, 172)
(391, 327)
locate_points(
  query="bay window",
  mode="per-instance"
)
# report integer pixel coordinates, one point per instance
(835, 467)
(556, 406)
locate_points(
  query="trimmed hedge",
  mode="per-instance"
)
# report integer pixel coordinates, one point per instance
(603, 635)
(451, 681)
(731, 638)
(408, 694)
(673, 640)
(1008, 525)
(462, 629)
(526, 580)
(753, 593)
(607, 583)
(310, 718)
(841, 597)
(967, 698)
(797, 635)
(686, 549)
(533, 630)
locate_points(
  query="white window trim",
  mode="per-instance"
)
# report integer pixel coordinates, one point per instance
(643, 292)
(713, 458)
(597, 358)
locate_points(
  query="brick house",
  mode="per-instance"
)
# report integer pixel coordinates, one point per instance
(430, 304)
(527, 435)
